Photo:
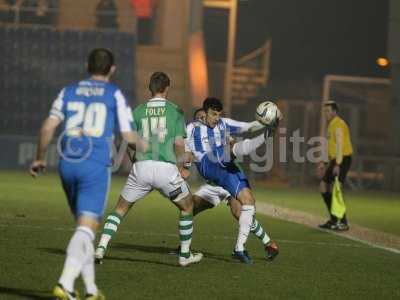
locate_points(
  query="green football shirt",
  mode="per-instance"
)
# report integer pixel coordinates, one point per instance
(159, 121)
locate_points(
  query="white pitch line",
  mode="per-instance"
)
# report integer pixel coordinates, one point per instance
(393, 250)
(216, 237)
(285, 215)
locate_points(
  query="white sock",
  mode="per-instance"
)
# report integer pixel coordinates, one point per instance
(76, 256)
(104, 240)
(88, 272)
(248, 146)
(245, 221)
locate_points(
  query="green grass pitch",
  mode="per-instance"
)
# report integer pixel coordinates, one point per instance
(36, 226)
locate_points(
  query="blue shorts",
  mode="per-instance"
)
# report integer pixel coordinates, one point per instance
(227, 176)
(86, 185)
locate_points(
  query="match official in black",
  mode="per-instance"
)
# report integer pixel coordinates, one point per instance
(340, 152)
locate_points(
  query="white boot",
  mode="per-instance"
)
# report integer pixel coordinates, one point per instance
(192, 259)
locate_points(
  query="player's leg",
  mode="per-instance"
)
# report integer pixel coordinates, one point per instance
(208, 196)
(185, 205)
(248, 146)
(247, 212)
(174, 187)
(72, 267)
(78, 255)
(255, 228)
(136, 188)
(235, 182)
(200, 205)
(270, 246)
(111, 225)
(92, 183)
(93, 196)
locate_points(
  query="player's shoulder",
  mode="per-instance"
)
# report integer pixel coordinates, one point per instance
(192, 125)
(173, 106)
(195, 124)
(70, 87)
(226, 121)
(229, 120)
(68, 91)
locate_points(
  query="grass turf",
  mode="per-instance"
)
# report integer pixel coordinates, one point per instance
(36, 226)
(376, 210)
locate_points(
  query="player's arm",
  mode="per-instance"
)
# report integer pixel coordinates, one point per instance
(180, 152)
(127, 125)
(47, 131)
(187, 157)
(179, 143)
(134, 141)
(46, 134)
(236, 127)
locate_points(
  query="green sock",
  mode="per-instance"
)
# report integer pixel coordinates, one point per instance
(110, 228)
(185, 234)
(257, 229)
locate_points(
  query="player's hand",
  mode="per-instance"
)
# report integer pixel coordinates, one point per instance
(185, 173)
(37, 167)
(336, 170)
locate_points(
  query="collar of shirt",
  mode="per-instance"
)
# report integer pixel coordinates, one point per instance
(157, 99)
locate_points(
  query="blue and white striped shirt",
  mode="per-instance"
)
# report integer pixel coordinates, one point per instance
(202, 139)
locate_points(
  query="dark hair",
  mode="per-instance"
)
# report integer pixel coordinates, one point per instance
(213, 103)
(159, 81)
(333, 105)
(100, 61)
(196, 112)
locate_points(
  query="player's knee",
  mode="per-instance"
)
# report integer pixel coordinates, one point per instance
(199, 205)
(245, 197)
(122, 206)
(235, 208)
(186, 204)
(89, 222)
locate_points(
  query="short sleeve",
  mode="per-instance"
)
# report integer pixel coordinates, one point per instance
(124, 112)
(189, 137)
(180, 126)
(57, 108)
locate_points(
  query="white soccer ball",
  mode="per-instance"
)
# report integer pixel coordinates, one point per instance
(267, 113)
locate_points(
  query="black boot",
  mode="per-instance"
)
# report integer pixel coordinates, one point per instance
(327, 196)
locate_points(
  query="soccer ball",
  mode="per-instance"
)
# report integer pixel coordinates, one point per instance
(267, 113)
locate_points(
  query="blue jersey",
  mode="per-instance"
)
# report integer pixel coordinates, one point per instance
(91, 110)
(203, 140)
(210, 147)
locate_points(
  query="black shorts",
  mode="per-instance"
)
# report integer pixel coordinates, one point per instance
(344, 169)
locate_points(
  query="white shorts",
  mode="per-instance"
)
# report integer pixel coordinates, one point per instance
(148, 175)
(212, 194)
